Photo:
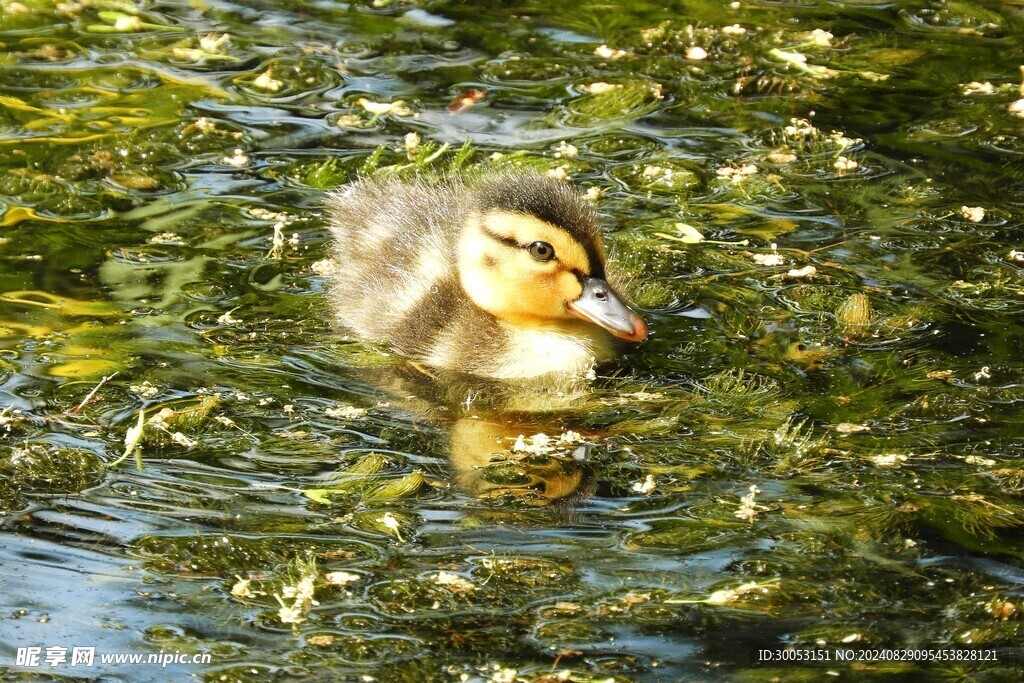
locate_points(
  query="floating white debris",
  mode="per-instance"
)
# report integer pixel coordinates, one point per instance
(841, 141)
(171, 238)
(128, 23)
(266, 81)
(844, 165)
(291, 615)
(205, 125)
(212, 43)
(397, 107)
(182, 440)
(820, 37)
(976, 88)
(504, 675)
(888, 459)
(974, 214)
(805, 272)
(341, 578)
(325, 267)
(800, 128)
(749, 509)
(345, 412)
(599, 87)
(721, 597)
(566, 150)
(348, 121)
(736, 174)
(228, 319)
(558, 173)
(696, 53)
(781, 158)
(570, 437)
(133, 437)
(646, 486)
(455, 582)
(242, 589)
(688, 233)
(538, 444)
(647, 395)
(391, 522)
(259, 213)
(412, 144)
(605, 52)
(238, 159)
(144, 390)
(851, 428)
(772, 259)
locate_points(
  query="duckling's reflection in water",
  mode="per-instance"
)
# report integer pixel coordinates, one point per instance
(492, 460)
(505, 440)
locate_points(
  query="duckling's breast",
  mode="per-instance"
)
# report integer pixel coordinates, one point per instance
(507, 352)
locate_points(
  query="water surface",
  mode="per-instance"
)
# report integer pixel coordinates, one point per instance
(818, 206)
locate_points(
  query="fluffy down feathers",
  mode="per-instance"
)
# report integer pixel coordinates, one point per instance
(397, 244)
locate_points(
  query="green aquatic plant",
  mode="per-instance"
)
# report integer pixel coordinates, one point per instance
(854, 315)
(182, 424)
(118, 22)
(297, 596)
(397, 525)
(34, 467)
(421, 157)
(738, 385)
(326, 174)
(793, 448)
(224, 556)
(360, 483)
(602, 102)
(133, 442)
(978, 515)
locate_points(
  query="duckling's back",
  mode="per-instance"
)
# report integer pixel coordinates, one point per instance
(395, 247)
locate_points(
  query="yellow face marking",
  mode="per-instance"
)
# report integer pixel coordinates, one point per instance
(501, 277)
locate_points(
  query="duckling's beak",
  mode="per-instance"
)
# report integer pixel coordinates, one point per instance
(600, 305)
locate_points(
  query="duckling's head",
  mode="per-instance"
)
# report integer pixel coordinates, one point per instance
(531, 254)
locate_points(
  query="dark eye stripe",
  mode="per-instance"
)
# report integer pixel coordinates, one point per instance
(508, 241)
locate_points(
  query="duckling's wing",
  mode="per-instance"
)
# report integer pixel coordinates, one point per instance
(395, 244)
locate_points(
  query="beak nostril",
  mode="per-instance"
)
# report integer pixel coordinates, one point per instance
(601, 294)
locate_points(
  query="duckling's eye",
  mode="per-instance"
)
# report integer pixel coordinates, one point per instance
(542, 251)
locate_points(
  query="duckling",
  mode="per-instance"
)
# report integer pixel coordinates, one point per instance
(503, 277)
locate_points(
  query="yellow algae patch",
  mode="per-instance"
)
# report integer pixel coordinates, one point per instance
(61, 303)
(17, 214)
(84, 368)
(84, 362)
